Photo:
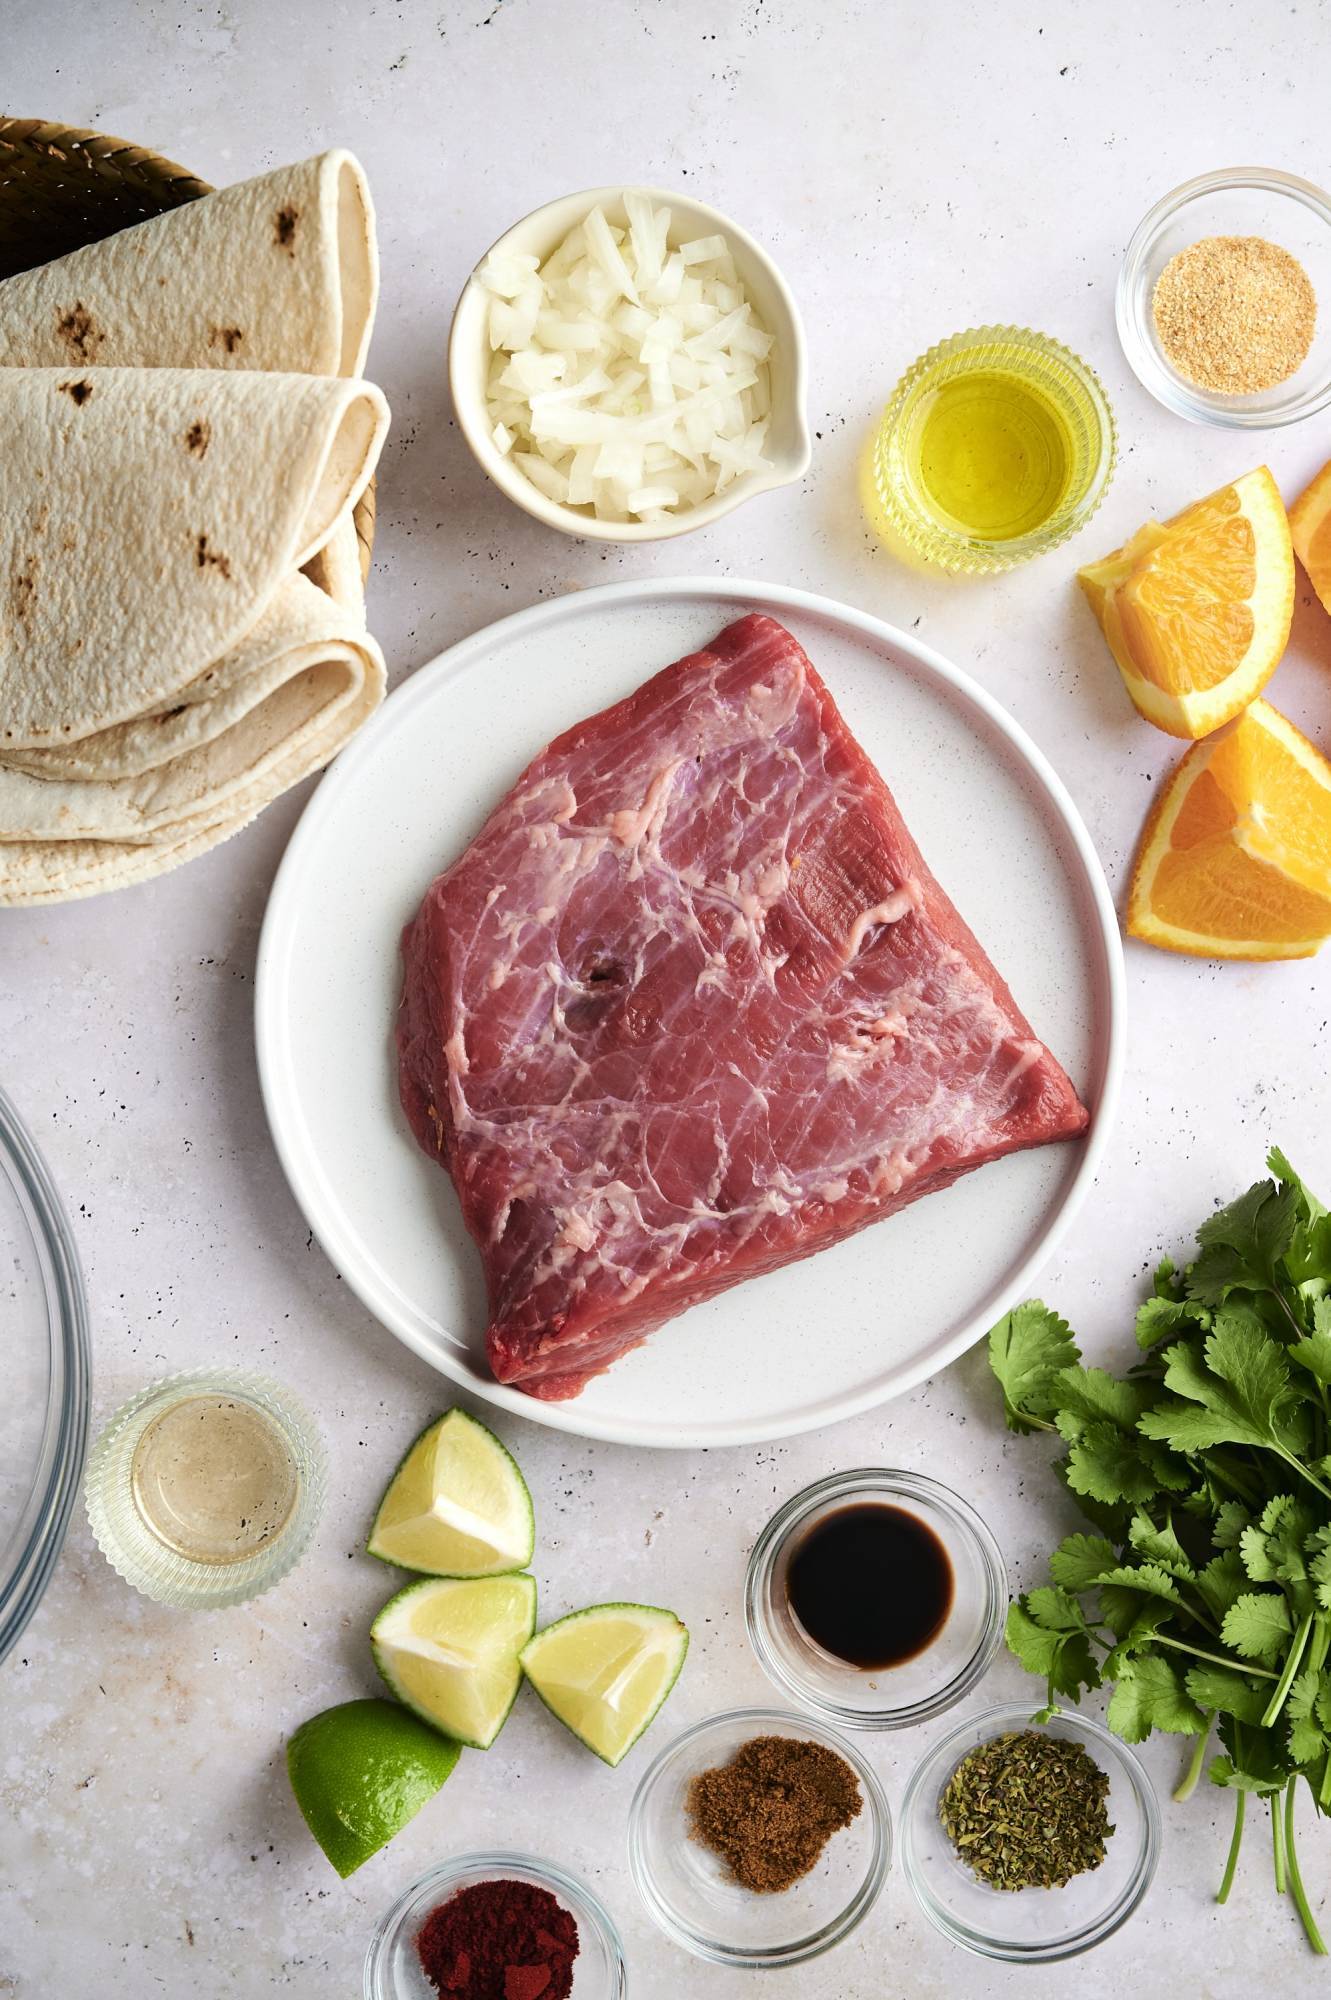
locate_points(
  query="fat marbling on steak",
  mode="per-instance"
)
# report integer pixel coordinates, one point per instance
(691, 1006)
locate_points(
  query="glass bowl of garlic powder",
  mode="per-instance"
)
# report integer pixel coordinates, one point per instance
(1224, 299)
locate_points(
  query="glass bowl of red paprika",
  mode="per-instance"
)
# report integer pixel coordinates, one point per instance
(509, 1915)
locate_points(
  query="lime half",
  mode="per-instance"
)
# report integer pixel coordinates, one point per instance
(605, 1671)
(457, 1505)
(360, 1772)
(448, 1647)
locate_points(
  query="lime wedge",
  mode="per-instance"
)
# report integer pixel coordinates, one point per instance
(605, 1671)
(448, 1647)
(360, 1772)
(457, 1505)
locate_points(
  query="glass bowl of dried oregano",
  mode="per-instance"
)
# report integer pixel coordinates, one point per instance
(1029, 1839)
(1224, 299)
(759, 1838)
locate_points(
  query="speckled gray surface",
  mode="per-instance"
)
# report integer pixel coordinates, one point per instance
(915, 169)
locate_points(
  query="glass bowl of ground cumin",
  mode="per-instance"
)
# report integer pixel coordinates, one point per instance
(961, 1797)
(1224, 299)
(507, 1960)
(759, 1838)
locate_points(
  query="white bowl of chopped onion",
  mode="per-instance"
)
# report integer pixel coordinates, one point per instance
(628, 365)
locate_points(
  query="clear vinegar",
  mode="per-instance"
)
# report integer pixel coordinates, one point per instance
(213, 1479)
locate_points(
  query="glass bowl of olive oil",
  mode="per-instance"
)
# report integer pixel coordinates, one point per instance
(997, 445)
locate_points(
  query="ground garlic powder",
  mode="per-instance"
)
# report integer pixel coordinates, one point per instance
(1235, 314)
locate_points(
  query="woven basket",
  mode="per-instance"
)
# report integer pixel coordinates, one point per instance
(61, 188)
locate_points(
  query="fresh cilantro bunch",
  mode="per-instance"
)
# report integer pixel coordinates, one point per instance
(1204, 1594)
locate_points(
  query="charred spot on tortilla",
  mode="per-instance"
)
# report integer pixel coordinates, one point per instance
(208, 558)
(23, 592)
(78, 392)
(284, 230)
(170, 714)
(228, 337)
(197, 437)
(79, 331)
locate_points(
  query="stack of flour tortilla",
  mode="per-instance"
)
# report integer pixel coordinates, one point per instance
(184, 433)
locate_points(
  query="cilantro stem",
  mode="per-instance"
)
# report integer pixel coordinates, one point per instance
(1236, 1841)
(1286, 1681)
(1296, 1888)
(1220, 1659)
(1278, 1843)
(1301, 1468)
(1188, 1783)
(1324, 1795)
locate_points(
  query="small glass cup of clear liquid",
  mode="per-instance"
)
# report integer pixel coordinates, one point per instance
(205, 1488)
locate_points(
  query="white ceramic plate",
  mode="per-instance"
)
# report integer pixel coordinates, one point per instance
(821, 1339)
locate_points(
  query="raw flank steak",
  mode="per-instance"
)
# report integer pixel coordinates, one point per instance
(691, 1005)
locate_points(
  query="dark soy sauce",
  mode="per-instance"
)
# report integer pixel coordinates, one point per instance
(871, 1583)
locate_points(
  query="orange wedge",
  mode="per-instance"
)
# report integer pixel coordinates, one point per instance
(1197, 610)
(1235, 859)
(1310, 526)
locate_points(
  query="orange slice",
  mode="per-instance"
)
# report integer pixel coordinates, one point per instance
(1235, 859)
(1310, 526)
(1197, 610)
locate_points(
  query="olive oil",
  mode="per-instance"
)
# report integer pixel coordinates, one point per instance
(996, 446)
(872, 1584)
(991, 454)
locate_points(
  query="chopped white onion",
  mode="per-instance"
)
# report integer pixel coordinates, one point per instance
(628, 377)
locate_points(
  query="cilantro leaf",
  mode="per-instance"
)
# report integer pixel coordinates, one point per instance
(1241, 1245)
(1061, 1653)
(1257, 1625)
(1028, 1349)
(1095, 1396)
(1111, 1465)
(1308, 1257)
(1319, 1564)
(1160, 1545)
(1136, 1620)
(1305, 1740)
(1220, 1688)
(1080, 1560)
(1150, 1695)
(1314, 1351)
(1158, 1317)
(1242, 1388)
(1312, 1209)
(1231, 1519)
(1222, 1583)
(1148, 1578)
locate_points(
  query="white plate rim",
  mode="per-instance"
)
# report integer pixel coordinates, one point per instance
(281, 910)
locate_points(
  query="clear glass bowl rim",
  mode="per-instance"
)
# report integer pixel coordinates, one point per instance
(801, 1949)
(962, 555)
(1018, 1714)
(64, 1440)
(1169, 389)
(446, 1874)
(880, 1481)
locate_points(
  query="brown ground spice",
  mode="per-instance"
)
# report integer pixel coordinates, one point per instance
(1235, 314)
(771, 1811)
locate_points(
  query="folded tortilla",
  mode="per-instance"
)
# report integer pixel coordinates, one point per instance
(276, 273)
(147, 519)
(144, 796)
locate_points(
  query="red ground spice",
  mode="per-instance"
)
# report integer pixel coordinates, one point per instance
(500, 1941)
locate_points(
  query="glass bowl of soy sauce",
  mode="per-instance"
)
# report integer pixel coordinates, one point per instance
(875, 1598)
